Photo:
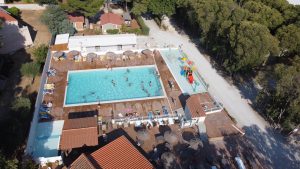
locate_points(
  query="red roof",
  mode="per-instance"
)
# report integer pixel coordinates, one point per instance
(6, 16)
(79, 132)
(111, 18)
(76, 18)
(195, 105)
(120, 154)
(82, 162)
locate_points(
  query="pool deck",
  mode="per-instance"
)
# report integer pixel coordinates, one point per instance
(142, 107)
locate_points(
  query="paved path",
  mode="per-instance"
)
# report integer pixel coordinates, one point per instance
(269, 144)
(26, 6)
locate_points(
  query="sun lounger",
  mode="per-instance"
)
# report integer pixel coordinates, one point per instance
(125, 124)
(49, 86)
(137, 123)
(45, 109)
(47, 92)
(171, 121)
(114, 125)
(150, 115)
(103, 127)
(165, 110)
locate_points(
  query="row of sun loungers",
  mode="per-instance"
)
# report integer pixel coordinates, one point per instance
(44, 111)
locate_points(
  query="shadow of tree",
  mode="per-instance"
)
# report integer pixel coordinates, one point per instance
(263, 149)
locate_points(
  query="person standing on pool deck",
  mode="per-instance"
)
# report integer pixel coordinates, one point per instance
(106, 66)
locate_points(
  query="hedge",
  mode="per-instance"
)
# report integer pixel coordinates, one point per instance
(112, 31)
(144, 27)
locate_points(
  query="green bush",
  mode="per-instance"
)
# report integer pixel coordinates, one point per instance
(112, 31)
(14, 11)
(126, 29)
(144, 27)
(31, 69)
(40, 53)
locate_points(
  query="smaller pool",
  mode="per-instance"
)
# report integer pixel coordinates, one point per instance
(46, 143)
(119, 84)
(172, 57)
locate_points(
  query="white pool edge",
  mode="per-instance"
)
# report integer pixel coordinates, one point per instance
(114, 101)
(169, 67)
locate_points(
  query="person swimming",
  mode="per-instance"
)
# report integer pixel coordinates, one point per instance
(150, 83)
(129, 84)
(113, 82)
(126, 79)
(127, 70)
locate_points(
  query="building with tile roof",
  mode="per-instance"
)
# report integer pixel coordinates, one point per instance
(7, 18)
(111, 21)
(118, 154)
(77, 21)
(197, 107)
(82, 162)
(78, 133)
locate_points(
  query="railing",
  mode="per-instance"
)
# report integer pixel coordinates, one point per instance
(30, 142)
(155, 117)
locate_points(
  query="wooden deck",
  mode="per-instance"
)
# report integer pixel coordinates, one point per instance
(111, 110)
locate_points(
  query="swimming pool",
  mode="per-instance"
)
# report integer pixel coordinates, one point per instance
(174, 63)
(106, 86)
(46, 143)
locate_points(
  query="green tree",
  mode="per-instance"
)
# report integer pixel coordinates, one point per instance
(140, 6)
(263, 14)
(21, 104)
(281, 103)
(252, 44)
(31, 69)
(162, 7)
(14, 11)
(42, 2)
(6, 163)
(289, 37)
(88, 7)
(56, 20)
(40, 53)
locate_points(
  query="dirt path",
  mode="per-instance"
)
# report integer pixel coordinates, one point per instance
(42, 35)
(268, 143)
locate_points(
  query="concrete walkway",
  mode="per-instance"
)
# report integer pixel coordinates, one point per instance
(269, 144)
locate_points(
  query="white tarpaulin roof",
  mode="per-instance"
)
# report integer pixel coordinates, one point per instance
(294, 2)
(102, 40)
(61, 38)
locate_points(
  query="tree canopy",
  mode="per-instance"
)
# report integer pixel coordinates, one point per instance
(56, 20)
(246, 37)
(40, 53)
(88, 7)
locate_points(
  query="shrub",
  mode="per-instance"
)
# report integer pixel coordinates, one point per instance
(14, 11)
(112, 31)
(31, 69)
(21, 103)
(21, 106)
(40, 53)
(144, 27)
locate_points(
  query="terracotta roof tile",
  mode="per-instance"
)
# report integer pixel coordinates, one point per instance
(194, 105)
(82, 162)
(4, 15)
(76, 18)
(79, 132)
(120, 154)
(134, 24)
(111, 18)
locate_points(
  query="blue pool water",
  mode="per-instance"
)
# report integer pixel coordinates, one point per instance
(173, 61)
(101, 85)
(47, 139)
